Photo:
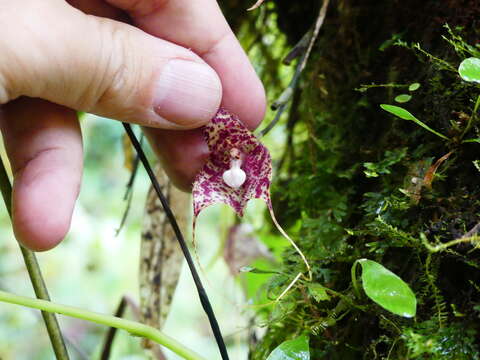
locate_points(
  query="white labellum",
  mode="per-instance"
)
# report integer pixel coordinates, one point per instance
(235, 177)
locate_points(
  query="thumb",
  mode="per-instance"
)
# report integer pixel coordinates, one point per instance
(112, 69)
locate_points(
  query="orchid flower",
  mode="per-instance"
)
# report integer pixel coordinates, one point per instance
(238, 169)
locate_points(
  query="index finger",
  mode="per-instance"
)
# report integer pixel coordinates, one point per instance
(200, 26)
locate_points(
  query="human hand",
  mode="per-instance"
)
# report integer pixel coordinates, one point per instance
(51, 51)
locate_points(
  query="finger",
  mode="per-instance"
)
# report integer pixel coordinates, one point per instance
(99, 8)
(106, 67)
(44, 145)
(182, 154)
(199, 25)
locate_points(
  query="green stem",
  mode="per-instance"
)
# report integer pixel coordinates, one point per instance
(51, 323)
(472, 118)
(132, 327)
(356, 288)
(441, 247)
(426, 127)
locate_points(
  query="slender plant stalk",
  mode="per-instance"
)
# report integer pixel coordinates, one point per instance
(107, 346)
(110, 337)
(36, 278)
(133, 327)
(129, 192)
(475, 239)
(472, 118)
(202, 294)
(356, 288)
(281, 104)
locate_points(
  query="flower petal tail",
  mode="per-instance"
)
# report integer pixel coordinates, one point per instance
(238, 169)
(285, 235)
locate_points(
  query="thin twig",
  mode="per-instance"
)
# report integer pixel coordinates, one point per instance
(316, 30)
(281, 104)
(129, 191)
(107, 345)
(36, 278)
(168, 212)
(133, 174)
(472, 232)
(298, 49)
(125, 212)
(288, 287)
(125, 302)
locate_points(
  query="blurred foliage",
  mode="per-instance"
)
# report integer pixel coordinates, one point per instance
(93, 268)
(83, 271)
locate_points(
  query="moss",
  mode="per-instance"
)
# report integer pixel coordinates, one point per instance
(356, 181)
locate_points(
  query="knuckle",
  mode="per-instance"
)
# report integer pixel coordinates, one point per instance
(117, 75)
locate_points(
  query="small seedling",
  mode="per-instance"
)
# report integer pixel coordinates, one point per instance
(406, 115)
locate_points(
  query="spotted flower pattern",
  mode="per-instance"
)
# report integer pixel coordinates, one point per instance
(232, 144)
(238, 169)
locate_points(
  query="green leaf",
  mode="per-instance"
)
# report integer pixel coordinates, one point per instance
(406, 115)
(469, 70)
(254, 270)
(383, 167)
(403, 98)
(318, 292)
(387, 289)
(398, 111)
(477, 140)
(414, 87)
(371, 169)
(296, 349)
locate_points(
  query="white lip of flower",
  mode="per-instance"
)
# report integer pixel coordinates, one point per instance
(234, 177)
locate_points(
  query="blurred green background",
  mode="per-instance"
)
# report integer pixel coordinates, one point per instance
(93, 268)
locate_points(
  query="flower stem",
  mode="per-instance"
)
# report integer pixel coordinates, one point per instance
(132, 327)
(36, 278)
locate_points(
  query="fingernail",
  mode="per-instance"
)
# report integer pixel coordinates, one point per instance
(187, 93)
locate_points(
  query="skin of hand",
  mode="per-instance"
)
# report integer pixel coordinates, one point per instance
(164, 64)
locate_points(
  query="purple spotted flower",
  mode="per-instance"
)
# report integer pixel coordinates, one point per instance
(238, 169)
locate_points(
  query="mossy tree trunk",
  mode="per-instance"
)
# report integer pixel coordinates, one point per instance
(365, 184)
